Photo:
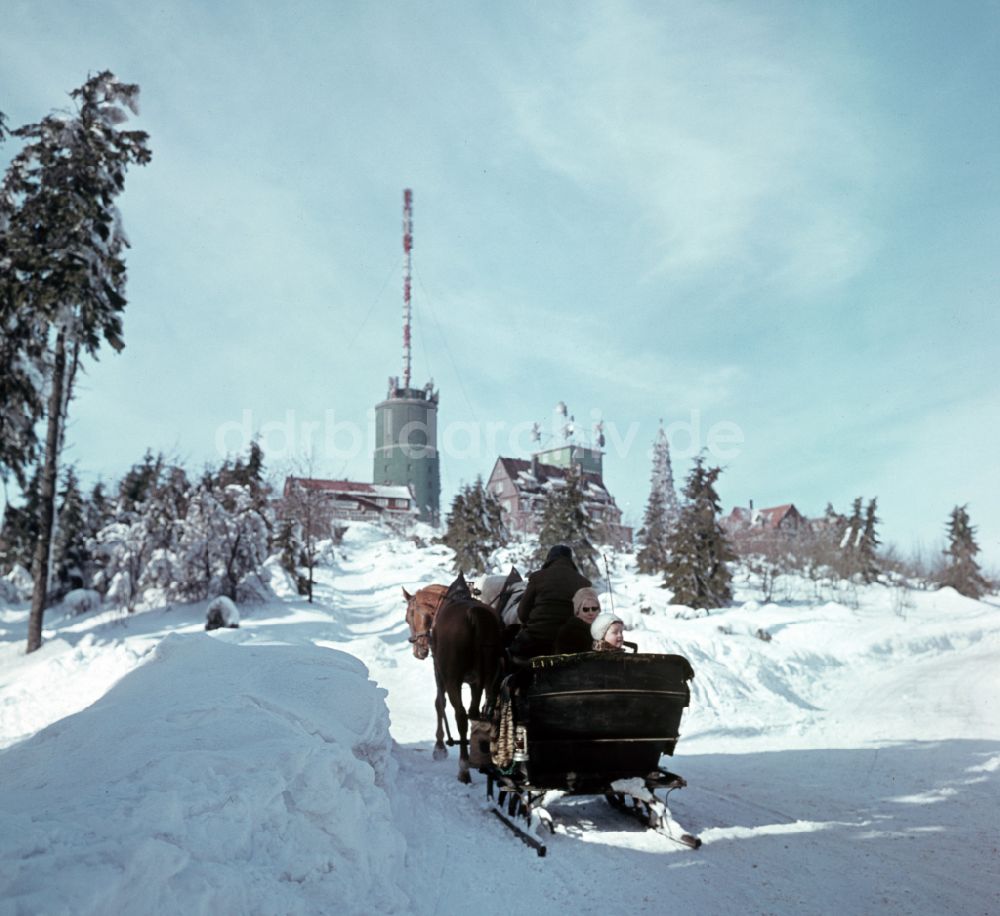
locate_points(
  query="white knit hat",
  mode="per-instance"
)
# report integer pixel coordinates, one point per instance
(600, 626)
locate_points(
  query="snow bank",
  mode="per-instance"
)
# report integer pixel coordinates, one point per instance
(66, 675)
(216, 778)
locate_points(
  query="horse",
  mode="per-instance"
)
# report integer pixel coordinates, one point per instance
(464, 638)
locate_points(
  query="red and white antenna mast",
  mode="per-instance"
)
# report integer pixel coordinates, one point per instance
(407, 248)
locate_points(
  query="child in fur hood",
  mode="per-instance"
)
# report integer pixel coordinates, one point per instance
(608, 632)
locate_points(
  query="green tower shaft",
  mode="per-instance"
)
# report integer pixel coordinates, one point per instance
(406, 446)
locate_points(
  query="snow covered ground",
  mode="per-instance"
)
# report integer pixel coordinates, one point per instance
(851, 764)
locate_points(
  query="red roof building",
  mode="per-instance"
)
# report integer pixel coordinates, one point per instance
(349, 500)
(750, 521)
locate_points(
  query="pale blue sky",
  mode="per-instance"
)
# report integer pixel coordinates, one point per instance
(780, 215)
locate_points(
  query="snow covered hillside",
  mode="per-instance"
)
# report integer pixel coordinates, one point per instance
(850, 763)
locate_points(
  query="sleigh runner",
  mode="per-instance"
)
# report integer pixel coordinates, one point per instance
(585, 724)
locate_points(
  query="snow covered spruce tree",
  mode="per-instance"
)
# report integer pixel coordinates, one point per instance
(868, 564)
(661, 511)
(698, 549)
(22, 351)
(474, 528)
(63, 266)
(564, 520)
(962, 572)
(858, 554)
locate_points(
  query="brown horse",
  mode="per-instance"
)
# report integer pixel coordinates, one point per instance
(464, 638)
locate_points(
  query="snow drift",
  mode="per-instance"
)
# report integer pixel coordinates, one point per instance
(215, 778)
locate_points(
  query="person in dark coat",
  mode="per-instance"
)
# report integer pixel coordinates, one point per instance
(574, 634)
(547, 603)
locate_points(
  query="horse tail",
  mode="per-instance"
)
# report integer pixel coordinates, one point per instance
(486, 636)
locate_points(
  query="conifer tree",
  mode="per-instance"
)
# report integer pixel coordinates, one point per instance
(20, 529)
(652, 538)
(698, 548)
(661, 511)
(288, 546)
(70, 557)
(139, 482)
(98, 509)
(868, 565)
(63, 264)
(852, 531)
(474, 528)
(858, 547)
(565, 520)
(663, 475)
(247, 474)
(22, 350)
(962, 572)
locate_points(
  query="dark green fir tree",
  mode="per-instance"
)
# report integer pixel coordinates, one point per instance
(64, 268)
(70, 553)
(868, 564)
(19, 532)
(697, 571)
(962, 572)
(474, 528)
(564, 520)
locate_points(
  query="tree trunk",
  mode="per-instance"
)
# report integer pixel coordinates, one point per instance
(47, 497)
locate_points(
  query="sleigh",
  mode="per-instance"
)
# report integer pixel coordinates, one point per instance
(587, 724)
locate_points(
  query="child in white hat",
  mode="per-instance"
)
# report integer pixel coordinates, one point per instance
(608, 632)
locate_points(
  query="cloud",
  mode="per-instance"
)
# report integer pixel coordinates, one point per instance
(726, 153)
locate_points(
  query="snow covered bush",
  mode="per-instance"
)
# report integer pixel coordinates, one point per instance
(223, 541)
(18, 581)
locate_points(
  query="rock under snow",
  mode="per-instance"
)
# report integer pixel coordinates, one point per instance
(81, 600)
(222, 612)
